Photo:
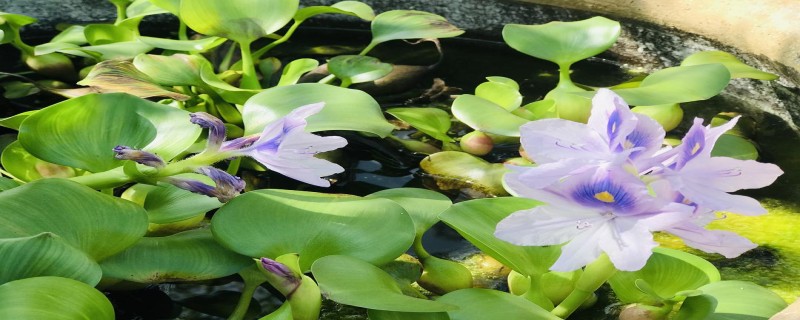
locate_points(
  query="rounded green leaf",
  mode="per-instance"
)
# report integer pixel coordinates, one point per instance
(357, 69)
(422, 205)
(732, 300)
(461, 170)
(484, 115)
(270, 223)
(667, 272)
(678, 84)
(736, 67)
(187, 256)
(731, 145)
(23, 165)
(296, 69)
(45, 254)
(410, 24)
(166, 203)
(53, 298)
(341, 105)
(99, 225)
(476, 220)
(475, 304)
(238, 20)
(431, 121)
(82, 132)
(502, 94)
(563, 42)
(351, 281)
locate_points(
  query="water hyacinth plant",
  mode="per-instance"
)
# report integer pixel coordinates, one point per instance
(168, 162)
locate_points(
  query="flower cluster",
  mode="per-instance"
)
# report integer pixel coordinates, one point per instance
(608, 184)
(283, 146)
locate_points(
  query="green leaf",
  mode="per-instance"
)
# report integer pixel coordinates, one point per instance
(410, 24)
(351, 281)
(197, 45)
(357, 69)
(13, 122)
(99, 34)
(82, 132)
(476, 220)
(353, 8)
(72, 34)
(500, 93)
(668, 116)
(394, 315)
(7, 184)
(23, 165)
(296, 69)
(455, 170)
(53, 298)
(19, 89)
(475, 304)
(99, 225)
(667, 272)
(678, 84)
(270, 223)
(173, 6)
(484, 115)
(422, 205)
(141, 8)
(731, 145)
(431, 121)
(174, 70)
(45, 254)
(228, 92)
(111, 51)
(122, 76)
(340, 106)
(563, 42)
(187, 256)
(166, 203)
(734, 300)
(736, 67)
(239, 20)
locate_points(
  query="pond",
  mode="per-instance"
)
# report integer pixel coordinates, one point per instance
(375, 164)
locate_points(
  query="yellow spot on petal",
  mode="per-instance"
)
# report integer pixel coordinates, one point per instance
(604, 196)
(695, 148)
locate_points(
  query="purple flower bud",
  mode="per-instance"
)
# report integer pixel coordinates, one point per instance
(290, 280)
(139, 156)
(215, 126)
(227, 186)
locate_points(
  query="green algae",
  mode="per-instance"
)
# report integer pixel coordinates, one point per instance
(775, 264)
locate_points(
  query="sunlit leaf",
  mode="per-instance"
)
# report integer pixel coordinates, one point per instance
(23, 165)
(270, 223)
(668, 116)
(484, 115)
(141, 8)
(667, 272)
(454, 170)
(357, 69)
(296, 69)
(238, 20)
(410, 24)
(353, 8)
(678, 84)
(431, 121)
(122, 76)
(340, 106)
(93, 125)
(173, 6)
(502, 94)
(227, 91)
(53, 298)
(563, 42)
(732, 300)
(97, 224)
(72, 34)
(476, 220)
(13, 122)
(737, 68)
(174, 70)
(186, 256)
(351, 281)
(422, 205)
(99, 34)
(197, 45)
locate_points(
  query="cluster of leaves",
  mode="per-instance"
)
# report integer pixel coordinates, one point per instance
(61, 250)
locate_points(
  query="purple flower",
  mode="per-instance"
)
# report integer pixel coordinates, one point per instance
(285, 147)
(601, 210)
(139, 156)
(225, 188)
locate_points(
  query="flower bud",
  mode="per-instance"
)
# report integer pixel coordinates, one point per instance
(138, 156)
(477, 143)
